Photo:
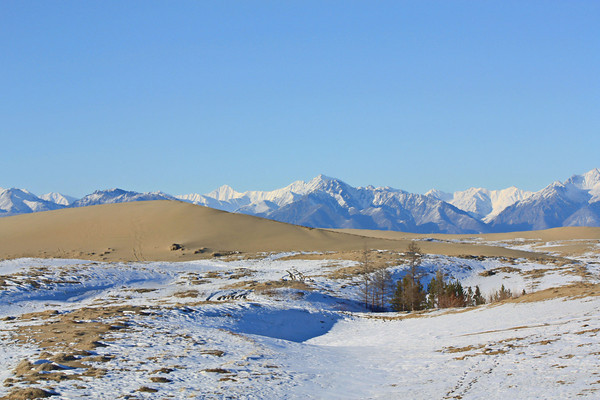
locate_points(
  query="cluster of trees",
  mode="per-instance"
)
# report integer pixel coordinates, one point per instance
(408, 293)
(411, 296)
(502, 294)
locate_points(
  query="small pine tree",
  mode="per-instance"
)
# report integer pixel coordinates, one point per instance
(478, 297)
(469, 297)
(435, 289)
(453, 295)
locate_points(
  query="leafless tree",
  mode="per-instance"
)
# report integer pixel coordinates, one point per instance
(381, 287)
(366, 284)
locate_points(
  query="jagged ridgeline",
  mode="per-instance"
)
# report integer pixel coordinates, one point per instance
(325, 202)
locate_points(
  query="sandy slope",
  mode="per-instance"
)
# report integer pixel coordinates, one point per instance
(567, 241)
(568, 233)
(146, 230)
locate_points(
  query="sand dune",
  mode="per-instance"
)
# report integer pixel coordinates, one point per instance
(146, 230)
(555, 234)
(567, 241)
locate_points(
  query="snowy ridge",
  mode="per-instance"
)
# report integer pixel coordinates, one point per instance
(58, 198)
(482, 203)
(118, 196)
(572, 203)
(18, 201)
(326, 202)
(227, 199)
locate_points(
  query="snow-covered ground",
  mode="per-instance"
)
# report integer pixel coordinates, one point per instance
(245, 330)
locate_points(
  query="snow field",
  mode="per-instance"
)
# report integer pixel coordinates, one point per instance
(287, 343)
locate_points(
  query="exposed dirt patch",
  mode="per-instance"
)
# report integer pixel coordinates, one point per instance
(505, 269)
(218, 353)
(576, 290)
(187, 293)
(592, 331)
(143, 290)
(147, 389)
(453, 349)
(28, 394)
(217, 370)
(159, 379)
(270, 285)
(536, 273)
(68, 340)
(545, 342)
(163, 370)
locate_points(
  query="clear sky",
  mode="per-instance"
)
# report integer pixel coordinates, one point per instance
(184, 96)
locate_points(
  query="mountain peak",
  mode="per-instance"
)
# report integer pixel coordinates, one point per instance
(324, 182)
(323, 178)
(592, 178)
(589, 180)
(224, 193)
(111, 191)
(439, 194)
(18, 201)
(58, 198)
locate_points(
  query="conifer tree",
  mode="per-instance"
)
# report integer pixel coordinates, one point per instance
(478, 298)
(435, 289)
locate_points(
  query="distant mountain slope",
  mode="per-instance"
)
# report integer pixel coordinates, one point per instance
(58, 198)
(18, 201)
(576, 202)
(118, 196)
(325, 202)
(251, 202)
(482, 203)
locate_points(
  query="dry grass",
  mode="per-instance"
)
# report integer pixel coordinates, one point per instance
(159, 379)
(68, 341)
(504, 269)
(576, 290)
(271, 285)
(216, 353)
(147, 389)
(186, 293)
(28, 394)
(217, 371)
(452, 349)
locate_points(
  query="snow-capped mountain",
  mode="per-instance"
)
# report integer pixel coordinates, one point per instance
(482, 203)
(58, 198)
(576, 202)
(19, 201)
(118, 196)
(251, 202)
(326, 202)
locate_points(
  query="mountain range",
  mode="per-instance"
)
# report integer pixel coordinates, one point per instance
(326, 202)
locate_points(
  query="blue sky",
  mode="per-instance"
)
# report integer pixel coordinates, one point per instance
(186, 96)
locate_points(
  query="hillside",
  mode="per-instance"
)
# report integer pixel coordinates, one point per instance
(566, 241)
(146, 230)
